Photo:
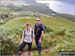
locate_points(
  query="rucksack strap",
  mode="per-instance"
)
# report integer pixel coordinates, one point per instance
(31, 33)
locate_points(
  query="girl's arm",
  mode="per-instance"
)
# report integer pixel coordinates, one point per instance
(22, 38)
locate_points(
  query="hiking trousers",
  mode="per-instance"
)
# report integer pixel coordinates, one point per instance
(21, 46)
(38, 44)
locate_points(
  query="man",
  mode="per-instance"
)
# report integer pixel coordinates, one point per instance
(39, 32)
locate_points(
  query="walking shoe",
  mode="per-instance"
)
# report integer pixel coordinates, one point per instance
(39, 54)
(28, 54)
(18, 54)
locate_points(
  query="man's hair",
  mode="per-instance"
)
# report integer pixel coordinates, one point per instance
(38, 18)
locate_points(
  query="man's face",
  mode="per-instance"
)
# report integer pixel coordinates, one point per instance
(38, 21)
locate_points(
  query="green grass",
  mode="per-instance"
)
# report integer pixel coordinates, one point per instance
(50, 21)
(13, 30)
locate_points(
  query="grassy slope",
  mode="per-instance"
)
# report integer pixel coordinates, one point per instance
(48, 20)
(16, 26)
(55, 23)
(13, 29)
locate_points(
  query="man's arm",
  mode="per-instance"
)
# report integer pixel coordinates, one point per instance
(42, 33)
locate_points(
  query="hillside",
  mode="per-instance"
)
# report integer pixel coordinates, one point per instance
(33, 7)
(6, 15)
(27, 5)
(37, 8)
(66, 16)
(17, 2)
(58, 32)
(59, 35)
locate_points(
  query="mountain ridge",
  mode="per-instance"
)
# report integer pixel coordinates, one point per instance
(33, 7)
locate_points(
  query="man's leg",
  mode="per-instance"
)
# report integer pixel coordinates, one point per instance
(36, 40)
(38, 45)
(29, 48)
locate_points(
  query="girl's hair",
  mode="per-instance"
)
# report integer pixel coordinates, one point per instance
(27, 24)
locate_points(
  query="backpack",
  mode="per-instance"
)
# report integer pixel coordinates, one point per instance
(42, 25)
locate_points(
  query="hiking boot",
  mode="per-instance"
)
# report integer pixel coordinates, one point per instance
(29, 54)
(39, 54)
(18, 54)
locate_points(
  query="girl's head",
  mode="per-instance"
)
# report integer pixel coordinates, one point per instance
(28, 25)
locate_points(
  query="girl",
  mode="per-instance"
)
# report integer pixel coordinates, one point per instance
(27, 38)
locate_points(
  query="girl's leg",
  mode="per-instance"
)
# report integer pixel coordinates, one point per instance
(21, 46)
(29, 48)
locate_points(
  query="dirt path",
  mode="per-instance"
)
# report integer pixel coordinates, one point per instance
(35, 52)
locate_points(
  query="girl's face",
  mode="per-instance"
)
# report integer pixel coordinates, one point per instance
(28, 26)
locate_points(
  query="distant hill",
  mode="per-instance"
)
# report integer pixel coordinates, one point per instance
(26, 1)
(66, 16)
(33, 6)
(26, 5)
(17, 2)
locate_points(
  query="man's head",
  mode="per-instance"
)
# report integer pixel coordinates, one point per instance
(38, 20)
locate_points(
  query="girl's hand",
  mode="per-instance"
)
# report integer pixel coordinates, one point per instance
(32, 42)
(21, 42)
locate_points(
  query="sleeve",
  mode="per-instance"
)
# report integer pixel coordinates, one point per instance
(42, 28)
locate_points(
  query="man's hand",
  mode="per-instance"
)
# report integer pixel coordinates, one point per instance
(40, 40)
